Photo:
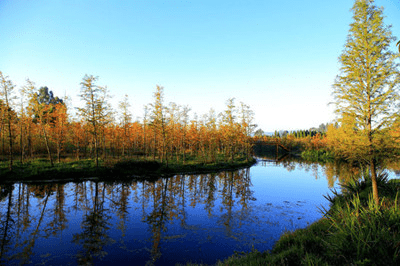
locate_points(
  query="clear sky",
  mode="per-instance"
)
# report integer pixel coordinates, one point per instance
(279, 57)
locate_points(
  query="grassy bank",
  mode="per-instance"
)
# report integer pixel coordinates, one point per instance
(139, 169)
(354, 231)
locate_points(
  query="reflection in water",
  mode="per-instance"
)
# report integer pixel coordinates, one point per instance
(7, 223)
(95, 204)
(95, 225)
(187, 217)
(334, 172)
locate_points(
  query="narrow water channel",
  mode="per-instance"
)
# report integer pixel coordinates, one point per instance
(198, 218)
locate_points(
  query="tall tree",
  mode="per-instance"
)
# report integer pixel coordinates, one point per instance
(230, 125)
(185, 121)
(96, 109)
(126, 120)
(159, 123)
(247, 117)
(145, 125)
(43, 110)
(365, 91)
(59, 128)
(6, 96)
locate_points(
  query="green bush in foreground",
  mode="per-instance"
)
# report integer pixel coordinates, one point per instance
(365, 234)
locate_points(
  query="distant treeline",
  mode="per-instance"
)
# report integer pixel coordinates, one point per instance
(321, 130)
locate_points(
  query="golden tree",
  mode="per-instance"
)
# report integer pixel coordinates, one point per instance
(6, 96)
(96, 111)
(158, 122)
(365, 91)
(126, 120)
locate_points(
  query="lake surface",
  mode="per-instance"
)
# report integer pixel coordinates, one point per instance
(198, 218)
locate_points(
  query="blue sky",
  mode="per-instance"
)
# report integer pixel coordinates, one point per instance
(279, 57)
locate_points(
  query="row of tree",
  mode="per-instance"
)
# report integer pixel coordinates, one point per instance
(39, 124)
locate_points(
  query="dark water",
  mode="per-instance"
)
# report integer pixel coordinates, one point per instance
(198, 218)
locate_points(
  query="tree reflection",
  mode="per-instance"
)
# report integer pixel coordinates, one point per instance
(211, 188)
(119, 202)
(42, 193)
(235, 185)
(6, 221)
(34, 211)
(59, 220)
(336, 171)
(168, 199)
(157, 218)
(94, 230)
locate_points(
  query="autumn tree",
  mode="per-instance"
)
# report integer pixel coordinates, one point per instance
(184, 114)
(126, 120)
(25, 120)
(247, 126)
(6, 96)
(173, 117)
(48, 112)
(145, 147)
(365, 91)
(59, 128)
(158, 122)
(230, 126)
(26, 115)
(211, 124)
(96, 110)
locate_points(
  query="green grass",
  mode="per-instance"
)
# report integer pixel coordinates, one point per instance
(366, 234)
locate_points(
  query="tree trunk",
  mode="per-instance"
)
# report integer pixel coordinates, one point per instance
(21, 143)
(374, 182)
(47, 146)
(59, 152)
(96, 150)
(10, 142)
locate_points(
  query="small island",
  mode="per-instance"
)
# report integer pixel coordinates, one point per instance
(120, 170)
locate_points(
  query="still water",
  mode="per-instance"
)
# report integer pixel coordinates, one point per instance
(198, 218)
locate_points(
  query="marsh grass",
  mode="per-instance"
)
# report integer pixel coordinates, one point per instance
(365, 233)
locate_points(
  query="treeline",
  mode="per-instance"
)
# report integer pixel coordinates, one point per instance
(298, 141)
(37, 123)
(321, 130)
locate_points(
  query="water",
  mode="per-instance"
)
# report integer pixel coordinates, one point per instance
(198, 218)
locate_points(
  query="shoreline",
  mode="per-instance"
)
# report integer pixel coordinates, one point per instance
(123, 170)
